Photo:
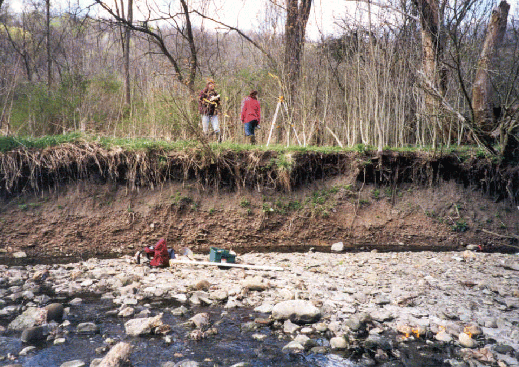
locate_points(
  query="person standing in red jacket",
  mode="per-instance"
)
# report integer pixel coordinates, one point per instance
(251, 115)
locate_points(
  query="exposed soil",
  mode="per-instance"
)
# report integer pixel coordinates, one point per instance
(106, 220)
(413, 204)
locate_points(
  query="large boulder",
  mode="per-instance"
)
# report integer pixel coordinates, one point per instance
(117, 356)
(297, 311)
(337, 247)
(143, 326)
(27, 319)
(33, 335)
(55, 312)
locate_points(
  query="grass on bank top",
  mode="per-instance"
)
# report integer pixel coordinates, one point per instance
(8, 143)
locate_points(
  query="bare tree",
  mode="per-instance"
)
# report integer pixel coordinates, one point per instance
(126, 32)
(297, 14)
(482, 91)
(184, 28)
(433, 44)
(47, 38)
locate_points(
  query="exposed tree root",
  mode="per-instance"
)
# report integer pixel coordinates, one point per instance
(25, 171)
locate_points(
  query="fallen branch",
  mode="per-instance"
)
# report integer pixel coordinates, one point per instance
(227, 265)
(335, 136)
(502, 235)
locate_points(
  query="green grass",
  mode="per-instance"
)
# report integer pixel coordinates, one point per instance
(8, 143)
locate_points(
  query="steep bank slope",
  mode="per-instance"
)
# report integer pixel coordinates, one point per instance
(83, 200)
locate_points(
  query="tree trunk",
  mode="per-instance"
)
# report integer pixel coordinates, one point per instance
(47, 36)
(482, 95)
(298, 12)
(126, 52)
(193, 58)
(431, 17)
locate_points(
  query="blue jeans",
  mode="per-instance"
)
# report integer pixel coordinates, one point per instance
(250, 127)
(214, 122)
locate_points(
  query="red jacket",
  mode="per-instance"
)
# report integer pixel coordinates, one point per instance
(250, 110)
(160, 254)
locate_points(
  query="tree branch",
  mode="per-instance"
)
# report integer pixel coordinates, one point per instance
(265, 52)
(155, 37)
(435, 93)
(385, 6)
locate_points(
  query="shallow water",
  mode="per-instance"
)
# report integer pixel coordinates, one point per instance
(228, 347)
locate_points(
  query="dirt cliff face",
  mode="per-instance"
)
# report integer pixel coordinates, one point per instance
(83, 200)
(87, 219)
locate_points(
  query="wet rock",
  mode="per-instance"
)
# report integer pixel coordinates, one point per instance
(321, 327)
(293, 347)
(249, 326)
(200, 320)
(264, 308)
(338, 343)
(27, 350)
(33, 335)
(233, 303)
(354, 323)
(443, 337)
(367, 361)
(126, 312)
(87, 328)
(187, 363)
(118, 356)
(503, 349)
(404, 329)
(76, 302)
(297, 311)
(59, 341)
(307, 330)
(453, 329)
(219, 295)
(259, 337)
(374, 342)
(180, 297)
(456, 363)
(28, 318)
(201, 297)
(289, 327)
(319, 350)
(466, 341)
(74, 363)
(55, 312)
(28, 295)
(261, 321)
(180, 311)
(381, 315)
(473, 330)
(142, 326)
(490, 323)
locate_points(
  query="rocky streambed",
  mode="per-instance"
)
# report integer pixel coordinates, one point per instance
(322, 309)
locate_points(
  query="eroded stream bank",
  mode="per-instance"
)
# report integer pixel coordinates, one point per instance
(81, 200)
(358, 309)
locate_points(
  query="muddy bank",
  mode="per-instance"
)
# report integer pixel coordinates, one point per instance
(78, 201)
